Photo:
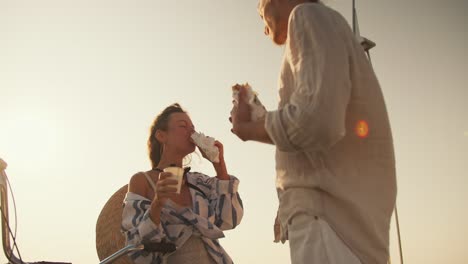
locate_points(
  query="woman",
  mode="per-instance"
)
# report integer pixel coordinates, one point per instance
(192, 220)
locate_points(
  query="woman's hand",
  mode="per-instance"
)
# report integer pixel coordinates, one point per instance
(221, 152)
(165, 189)
(220, 146)
(220, 167)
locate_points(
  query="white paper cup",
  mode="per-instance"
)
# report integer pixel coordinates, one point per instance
(177, 174)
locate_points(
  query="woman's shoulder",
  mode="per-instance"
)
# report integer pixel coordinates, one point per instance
(139, 182)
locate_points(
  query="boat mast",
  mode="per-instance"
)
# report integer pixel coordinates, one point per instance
(367, 44)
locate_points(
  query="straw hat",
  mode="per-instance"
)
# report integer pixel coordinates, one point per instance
(109, 239)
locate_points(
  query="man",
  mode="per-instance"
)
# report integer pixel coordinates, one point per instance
(334, 151)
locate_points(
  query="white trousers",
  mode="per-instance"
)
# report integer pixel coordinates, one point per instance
(313, 241)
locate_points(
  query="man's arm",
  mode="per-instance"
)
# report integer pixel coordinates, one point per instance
(314, 117)
(253, 130)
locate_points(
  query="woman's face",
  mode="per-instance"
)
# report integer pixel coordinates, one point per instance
(178, 133)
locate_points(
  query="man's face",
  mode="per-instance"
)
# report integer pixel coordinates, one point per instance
(275, 17)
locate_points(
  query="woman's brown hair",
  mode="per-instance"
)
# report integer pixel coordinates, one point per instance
(160, 123)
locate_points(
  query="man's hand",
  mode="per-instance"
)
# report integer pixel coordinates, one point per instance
(240, 115)
(242, 125)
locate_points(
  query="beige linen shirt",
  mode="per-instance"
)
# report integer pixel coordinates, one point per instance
(326, 163)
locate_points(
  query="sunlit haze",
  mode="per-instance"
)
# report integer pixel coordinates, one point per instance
(81, 82)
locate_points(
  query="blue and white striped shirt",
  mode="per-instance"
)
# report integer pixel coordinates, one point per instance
(217, 206)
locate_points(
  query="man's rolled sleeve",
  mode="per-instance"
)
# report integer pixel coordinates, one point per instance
(276, 130)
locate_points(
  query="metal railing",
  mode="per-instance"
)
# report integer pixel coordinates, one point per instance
(7, 248)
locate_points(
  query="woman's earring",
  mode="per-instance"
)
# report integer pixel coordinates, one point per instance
(161, 150)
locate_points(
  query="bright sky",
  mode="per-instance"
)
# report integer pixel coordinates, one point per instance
(81, 81)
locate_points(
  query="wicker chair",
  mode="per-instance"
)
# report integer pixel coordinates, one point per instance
(109, 239)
